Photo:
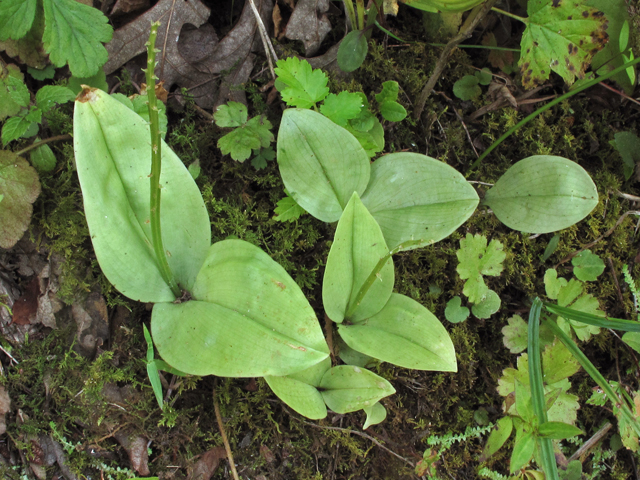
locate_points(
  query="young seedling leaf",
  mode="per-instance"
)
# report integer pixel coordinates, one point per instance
(248, 318)
(499, 435)
(551, 247)
(43, 159)
(9, 106)
(287, 210)
(372, 140)
(239, 143)
(542, 194)
(392, 111)
(484, 76)
(558, 430)
(299, 390)
(321, 163)
(477, 259)
(300, 85)
(522, 452)
(264, 155)
(352, 51)
(587, 266)
(455, 312)
(260, 127)
(488, 305)
(113, 157)
(342, 107)
(16, 18)
(375, 415)
(51, 95)
(561, 36)
(467, 88)
(347, 388)
(404, 333)
(19, 188)
(628, 146)
(46, 73)
(553, 284)
(357, 248)
(633, 340)
(74, 34)
(515, 334)
(389, 92)
(152, 369)
(415, 197)
(233, 114)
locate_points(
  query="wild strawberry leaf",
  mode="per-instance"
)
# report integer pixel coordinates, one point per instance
(561, 35)
(299, 84)
(477, 259)
(287, 210)
(342, 107)
(73, 34)
(16, 18)
(233, 114)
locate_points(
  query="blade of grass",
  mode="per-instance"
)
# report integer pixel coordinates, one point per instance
(590, 319)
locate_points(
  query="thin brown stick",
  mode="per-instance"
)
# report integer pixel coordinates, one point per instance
(223, 434)
(475, 17)
(626, 196)
(589, 444)
(66, 136)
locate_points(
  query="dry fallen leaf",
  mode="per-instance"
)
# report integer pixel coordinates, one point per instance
(127, 6)
(310, 24)
(93, 324)
(26, 307)
(5, 407)
(231, 55)
(136, 447)
(208, 463)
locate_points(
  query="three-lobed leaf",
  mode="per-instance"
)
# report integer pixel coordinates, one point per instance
(587, 266)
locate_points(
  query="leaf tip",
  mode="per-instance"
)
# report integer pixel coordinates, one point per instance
(87, 94)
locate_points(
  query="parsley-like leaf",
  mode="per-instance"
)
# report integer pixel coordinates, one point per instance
(73, 34)
(477, 259)
(301, 85)
(16, 18)
(260, 127)
(233, 114)
(287, 210)
(264, 155)
(239, 143)
(342, 107)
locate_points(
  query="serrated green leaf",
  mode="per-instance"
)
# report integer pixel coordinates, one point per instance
(264, 155)
(542, 194)
(29, 49)
(477, 259)
(287, 210)
(14, 128)
(74, 34)
(19, 187)
(389, 92)
(347, 388)
(34, 115)
(467, 88)
(342, 107)
(572, 290)
(455, 312)
(487, 306)
(50, 95)
(628, 146)
(352, 51)
(16, 18)
(303, 86)
(587, 304)
(99, 80)
(561, 35)
(260, 127)
(233, 114)
(515, 334)
(239, 143)
(357, 248)
(18, 91)
(499, 435)
(9, 106)
(392, 111)
(375, 415)
(587, 266)
(558, 363)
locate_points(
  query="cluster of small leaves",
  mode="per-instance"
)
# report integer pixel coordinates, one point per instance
(248, 135)
(468, 87)
(73, 32)
(477, 259)
(15, 100)
(627, 432)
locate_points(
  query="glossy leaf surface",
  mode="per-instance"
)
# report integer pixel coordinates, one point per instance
(321, 163)
(357, 248)
(542, 194)
(415, 197)
(404, 333)
(248, 319)
(113, 158)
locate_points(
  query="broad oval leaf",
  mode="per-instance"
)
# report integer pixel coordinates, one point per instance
(113, 159)
(357, 248)
(347, 388)
(352, 51)
(404, 333)
(542, 194)
(299, 390)
(248, 319)
(321, 163)
(415, 197)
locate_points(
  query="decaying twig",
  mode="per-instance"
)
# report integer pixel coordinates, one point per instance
(223, 433)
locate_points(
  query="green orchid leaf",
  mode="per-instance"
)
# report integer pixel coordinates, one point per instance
(113, 158)
(352, 357)
(19, 188)
(487, 306)
(233, 114)
(347, 388)
(342, 107)
(299, 390)
(587, 266)
(16, 18)
(477, 259)
(542, 194)
(392, 111)
(375, 415)
(404, 333)
(51, 95)
(140, 104)
(561, 36)
(321, 163)
(352, 51)
(300, 85)
(415, 197)
(248, 319)
(633, 340)
(499, 435)
(357, 248)
(558, 430)
(455, 312)
(73, 34)
(522, 452)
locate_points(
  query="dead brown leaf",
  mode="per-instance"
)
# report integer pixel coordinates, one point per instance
(208, 463)
(276, 16)
(93, 324)
(231, 55)
(26, 307)
(5, 407)
(136, 447)
(310, 24)
(128, 6)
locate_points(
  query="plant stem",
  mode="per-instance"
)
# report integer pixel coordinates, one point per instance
(66, 136)
(546, 107)
(360, 8)
(156, 166)
(516, 17)
(223, 434)
(348, 6)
